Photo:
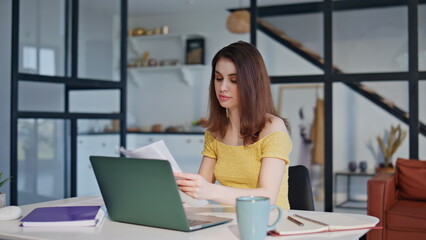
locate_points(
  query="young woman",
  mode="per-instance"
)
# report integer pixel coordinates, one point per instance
(247, 145)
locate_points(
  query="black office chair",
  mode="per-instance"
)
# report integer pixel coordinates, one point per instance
(299, 188)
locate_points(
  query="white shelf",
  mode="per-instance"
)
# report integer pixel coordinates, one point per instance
(183, 70)
(170, 47)
(153, 43)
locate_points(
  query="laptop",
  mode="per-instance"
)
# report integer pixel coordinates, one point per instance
(144, 191)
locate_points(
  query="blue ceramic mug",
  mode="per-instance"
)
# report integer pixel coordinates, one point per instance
(253, 217)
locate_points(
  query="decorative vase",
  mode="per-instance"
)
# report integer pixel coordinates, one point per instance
(363, 166)
(352, 166)
(2, 199)
(386, 166)
(387, 162)
(385, 169)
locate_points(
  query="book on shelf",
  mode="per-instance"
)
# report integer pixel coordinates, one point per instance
(297, 224)
(64, 216)
(159, 150)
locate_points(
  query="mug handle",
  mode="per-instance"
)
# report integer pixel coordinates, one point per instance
(272, 207)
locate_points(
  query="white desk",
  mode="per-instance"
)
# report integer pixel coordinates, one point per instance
(122, 231)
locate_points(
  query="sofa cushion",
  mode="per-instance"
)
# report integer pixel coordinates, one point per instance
(411, 179)
(407, 215)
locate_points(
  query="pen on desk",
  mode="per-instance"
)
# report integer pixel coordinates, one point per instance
(295, 221)
(310, 220)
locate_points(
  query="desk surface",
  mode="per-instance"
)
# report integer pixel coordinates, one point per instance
(115, 230)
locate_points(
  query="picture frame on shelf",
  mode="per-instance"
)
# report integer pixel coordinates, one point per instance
(194, 51)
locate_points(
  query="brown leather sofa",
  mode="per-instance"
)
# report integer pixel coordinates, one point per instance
(399, 201)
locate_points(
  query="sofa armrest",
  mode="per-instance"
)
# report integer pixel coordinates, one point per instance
(381, 190)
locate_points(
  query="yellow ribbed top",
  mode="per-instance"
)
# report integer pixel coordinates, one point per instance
(239, 166)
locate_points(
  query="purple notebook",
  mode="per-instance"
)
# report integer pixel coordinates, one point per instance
(64, 216)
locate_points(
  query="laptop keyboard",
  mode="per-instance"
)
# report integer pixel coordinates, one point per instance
(194, 222)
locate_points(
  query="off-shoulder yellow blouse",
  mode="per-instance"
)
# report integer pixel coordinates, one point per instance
(239, 166)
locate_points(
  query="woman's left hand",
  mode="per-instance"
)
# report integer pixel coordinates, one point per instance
(194, 185)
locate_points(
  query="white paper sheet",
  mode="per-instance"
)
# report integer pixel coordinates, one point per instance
(159, 150)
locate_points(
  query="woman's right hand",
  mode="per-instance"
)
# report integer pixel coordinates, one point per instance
(194, 185)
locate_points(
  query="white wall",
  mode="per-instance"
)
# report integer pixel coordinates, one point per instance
(5, 46)
(358, 47)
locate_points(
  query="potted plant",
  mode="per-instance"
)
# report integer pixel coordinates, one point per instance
(2, 194)
(388, 144)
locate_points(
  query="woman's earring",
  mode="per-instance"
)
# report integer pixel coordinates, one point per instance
(227, 112)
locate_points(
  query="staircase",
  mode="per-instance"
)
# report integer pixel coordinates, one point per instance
(317, 60)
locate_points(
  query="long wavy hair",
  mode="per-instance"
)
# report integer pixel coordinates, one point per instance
(254, 92)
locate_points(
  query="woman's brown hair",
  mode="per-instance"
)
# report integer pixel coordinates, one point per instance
(254, 92)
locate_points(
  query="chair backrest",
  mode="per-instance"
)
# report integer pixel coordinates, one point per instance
(299, 188)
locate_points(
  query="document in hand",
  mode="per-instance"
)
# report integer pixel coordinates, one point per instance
(159, 150)
(73, 216)
(318, 223)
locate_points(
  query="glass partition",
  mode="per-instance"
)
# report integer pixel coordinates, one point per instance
(371, 40)
(357, 123)
(388, 90)
(99, 39)
(96, 126)
(44, 48)
(94, 101)
(306, 117)
(422, 36)
(41, 37)
(42, 160)
(40, 96)
(304, 32)
(93, 143)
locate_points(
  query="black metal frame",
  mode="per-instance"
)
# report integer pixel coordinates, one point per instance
(70, 83)
(349, 175)
(14, 104)
(413, 76)
(413, 81)
(328, 105)
(253, 21)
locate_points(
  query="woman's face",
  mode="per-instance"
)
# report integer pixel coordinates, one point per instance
(225, 84)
